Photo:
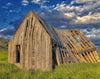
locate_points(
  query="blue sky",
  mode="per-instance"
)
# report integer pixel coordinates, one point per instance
(64, 14)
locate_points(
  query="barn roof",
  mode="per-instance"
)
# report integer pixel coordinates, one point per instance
(74, 40)
(71, 39)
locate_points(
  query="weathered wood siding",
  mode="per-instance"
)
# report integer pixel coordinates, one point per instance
(35, 42)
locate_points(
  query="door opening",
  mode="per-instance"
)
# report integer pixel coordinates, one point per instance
(17, 53)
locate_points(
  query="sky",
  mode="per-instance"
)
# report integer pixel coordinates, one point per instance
(62, 14)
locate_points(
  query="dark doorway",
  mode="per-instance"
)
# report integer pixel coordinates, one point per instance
(17, 53)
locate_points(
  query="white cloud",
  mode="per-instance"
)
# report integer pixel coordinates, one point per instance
(36, 1)
(63, 26)
(88, 19)
(72, 2)
(83, 1)
(25, 2)
(47, 7)
(94, 34)
(3, 29)
(68, 8)
(7, 31)
(9, 4)
(91, 5)
(70, 15)
(40, 2)
(44, 7)
(11, 11)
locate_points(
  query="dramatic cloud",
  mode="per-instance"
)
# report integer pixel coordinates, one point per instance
(68, 16)
(77, 14)
(88, 19)
(56, 18)
(90, 6)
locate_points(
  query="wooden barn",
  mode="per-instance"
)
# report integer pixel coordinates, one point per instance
(37, 46)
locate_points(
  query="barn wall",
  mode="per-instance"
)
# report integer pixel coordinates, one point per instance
(36, 48)
(42, 49)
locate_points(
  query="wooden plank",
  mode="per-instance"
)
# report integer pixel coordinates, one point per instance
(96, 56)
(86, 58)
(78, 58)
(73, 37)
(89, 57)
(58, 56)
(92, 57)
(91, 44)
(82, 57)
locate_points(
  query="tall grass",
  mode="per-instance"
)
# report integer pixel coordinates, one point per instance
(68, 71)
(3, 51)
(3, 56)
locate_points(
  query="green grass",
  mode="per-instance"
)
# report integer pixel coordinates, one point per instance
(68, 71)
(3, 51)
(3, 56)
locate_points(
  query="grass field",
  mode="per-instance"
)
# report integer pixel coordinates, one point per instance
(67, 71)
(3, 56)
